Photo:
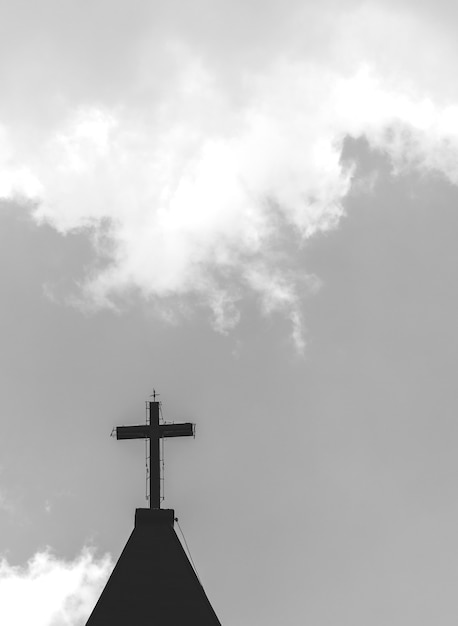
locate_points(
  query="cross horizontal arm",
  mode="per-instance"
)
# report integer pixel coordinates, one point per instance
(163, 430)
(133, 432)
(176, 430)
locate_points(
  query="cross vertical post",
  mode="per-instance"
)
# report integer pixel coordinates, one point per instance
(154, 432)
(154, 458)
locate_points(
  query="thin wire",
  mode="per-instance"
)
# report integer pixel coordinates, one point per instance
(188, 551)
(162, 456)
(146, 457)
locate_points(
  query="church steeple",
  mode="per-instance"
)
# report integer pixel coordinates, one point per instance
(153, 582)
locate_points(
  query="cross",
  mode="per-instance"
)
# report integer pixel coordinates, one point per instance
(154, 432)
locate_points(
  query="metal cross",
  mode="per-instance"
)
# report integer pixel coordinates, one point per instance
(154, 431)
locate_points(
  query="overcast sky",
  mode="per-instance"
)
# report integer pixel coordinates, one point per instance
(252, 208)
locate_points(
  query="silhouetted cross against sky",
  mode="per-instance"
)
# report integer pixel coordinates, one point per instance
(154, 431)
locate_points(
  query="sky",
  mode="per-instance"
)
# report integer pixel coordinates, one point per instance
(251, 208)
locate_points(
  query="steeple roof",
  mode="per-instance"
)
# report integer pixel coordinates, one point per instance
(153, 582)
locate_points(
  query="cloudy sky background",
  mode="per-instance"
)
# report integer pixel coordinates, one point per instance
(252, 208)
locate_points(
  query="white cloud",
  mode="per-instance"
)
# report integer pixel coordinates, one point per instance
(207, 171)
(51, 592)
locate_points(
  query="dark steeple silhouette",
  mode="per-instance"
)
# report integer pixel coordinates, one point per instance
(153, 582)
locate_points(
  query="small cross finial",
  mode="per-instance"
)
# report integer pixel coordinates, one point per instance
(154, 394)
